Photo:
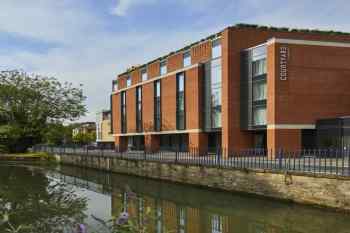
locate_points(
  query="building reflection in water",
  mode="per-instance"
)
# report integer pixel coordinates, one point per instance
(166, 216)
(166, 207)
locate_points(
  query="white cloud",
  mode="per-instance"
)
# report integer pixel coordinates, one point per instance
(47, 20)
(87, 53)
(124, 5)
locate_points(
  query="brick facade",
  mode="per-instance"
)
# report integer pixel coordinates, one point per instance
(317, 87)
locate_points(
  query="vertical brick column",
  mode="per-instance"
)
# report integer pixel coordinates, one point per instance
(233, 138)
(121, 143)
(198, 142)
(282, 133)
(152, 143)
(283, 139)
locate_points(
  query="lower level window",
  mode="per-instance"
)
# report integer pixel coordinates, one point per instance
(259, 116)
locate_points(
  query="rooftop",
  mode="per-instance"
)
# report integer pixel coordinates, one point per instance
(240, 25)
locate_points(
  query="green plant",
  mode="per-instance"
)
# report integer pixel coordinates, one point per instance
(29, 103)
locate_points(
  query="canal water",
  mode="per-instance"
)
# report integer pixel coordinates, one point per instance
(56, 199)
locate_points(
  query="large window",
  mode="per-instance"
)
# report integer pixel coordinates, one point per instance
(259, 67)
(182, 220)
(157, 106)
(128, 81)
(259, 115)
(180, 101)
(216, 49)
(216, 93)
(187, 59)
(259, 90)
(139, 109)
(123, 112)
(163, 68)
(216, 224)
(144, 75)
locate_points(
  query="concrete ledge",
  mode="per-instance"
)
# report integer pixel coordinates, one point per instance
(322, 191)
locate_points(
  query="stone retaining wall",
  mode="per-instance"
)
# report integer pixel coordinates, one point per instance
(322, 191)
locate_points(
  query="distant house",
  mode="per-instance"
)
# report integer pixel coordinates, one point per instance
(104, 137)
(84, 128)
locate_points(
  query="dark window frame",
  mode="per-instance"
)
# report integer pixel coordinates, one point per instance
(144, 70)
(163, 63)
(213, 88)
(123, 112)
(157, 107)
(186, 54)
(178, 112)
(139, 127)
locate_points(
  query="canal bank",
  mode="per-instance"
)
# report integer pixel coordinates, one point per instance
(311, 189)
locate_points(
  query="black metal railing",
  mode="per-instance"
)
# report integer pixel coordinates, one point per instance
(317, 161)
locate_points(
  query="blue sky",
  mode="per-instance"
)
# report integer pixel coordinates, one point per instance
(90, 41)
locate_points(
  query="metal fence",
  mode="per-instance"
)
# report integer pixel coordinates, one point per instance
(318, 161)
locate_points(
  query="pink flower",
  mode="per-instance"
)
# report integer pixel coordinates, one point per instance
(81, 228)
(123, 218)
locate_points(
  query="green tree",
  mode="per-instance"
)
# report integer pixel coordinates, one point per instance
(58, 134)
(85, 138)
(29, 104)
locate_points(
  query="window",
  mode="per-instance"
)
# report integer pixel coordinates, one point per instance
(259, 67)
(159, 219)
(157, 106)
(182, 220)
(216, 224)
(216, 49)
(216, 93)
(114, 85)
(128, 81)
(180, 101)
(123, 112)
(144, 75)
(141, 211)
(259, 115)
(125, 202)
(187, 59)
(259, 90)
(139, 109)
(163, 68)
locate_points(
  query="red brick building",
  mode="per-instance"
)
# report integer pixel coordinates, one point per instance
(244, 87)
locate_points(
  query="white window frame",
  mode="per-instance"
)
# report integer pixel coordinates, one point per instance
(128, 81)
(144, 72)
(187, 54)
(163, 67)
(216, 48)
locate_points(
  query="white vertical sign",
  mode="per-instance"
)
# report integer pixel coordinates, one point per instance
(284, 54)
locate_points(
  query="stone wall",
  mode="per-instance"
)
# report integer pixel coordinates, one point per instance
(312, 190)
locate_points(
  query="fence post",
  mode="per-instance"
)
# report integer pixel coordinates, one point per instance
(218, 156)
(280, 152)
(177, 154)
(348, 157)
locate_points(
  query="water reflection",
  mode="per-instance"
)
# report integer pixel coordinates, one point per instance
(185, 209)
(38, 203)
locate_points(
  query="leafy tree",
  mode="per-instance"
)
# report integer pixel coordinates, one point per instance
(58, 134)
(29, 103)
(84, 138)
